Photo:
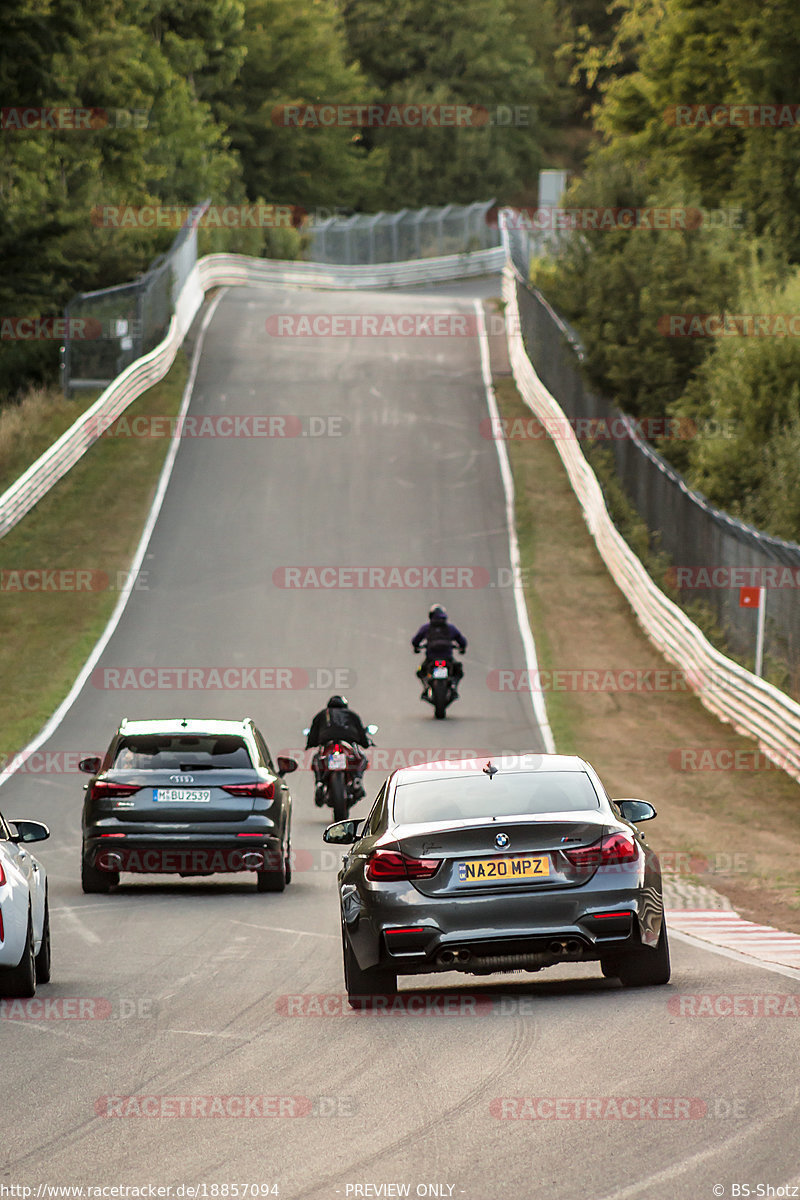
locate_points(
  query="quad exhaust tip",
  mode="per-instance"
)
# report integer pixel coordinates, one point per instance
(569, 946)
(451, 956)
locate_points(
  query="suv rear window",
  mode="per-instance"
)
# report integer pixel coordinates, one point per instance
(205, 752)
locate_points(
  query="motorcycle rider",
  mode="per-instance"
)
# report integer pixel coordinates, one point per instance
(439, 637)
(337, 722)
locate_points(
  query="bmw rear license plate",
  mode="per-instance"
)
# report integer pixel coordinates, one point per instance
(504, 870)
(337, 762)
(440, 672)
(182, 795)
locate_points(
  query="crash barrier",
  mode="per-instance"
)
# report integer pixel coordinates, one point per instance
(752, 706)
(115, 326)
(714, 553)
(216, 270)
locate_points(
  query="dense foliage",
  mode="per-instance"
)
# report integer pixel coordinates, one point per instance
(193, 87)
(668, 63)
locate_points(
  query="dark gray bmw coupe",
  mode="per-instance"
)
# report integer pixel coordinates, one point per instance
(508, 864)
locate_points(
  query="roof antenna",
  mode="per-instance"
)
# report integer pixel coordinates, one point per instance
(490, 770)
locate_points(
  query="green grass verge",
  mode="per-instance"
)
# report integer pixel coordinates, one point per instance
(90, 521)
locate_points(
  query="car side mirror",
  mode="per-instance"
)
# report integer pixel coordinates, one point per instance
(30, 831)
(343, 833)
(636, 810)
(286, 765)
(89, 766)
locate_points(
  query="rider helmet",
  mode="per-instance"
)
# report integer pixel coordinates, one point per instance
(337, 702)
(437, 613)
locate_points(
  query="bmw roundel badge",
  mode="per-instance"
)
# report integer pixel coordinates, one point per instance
(502, 840)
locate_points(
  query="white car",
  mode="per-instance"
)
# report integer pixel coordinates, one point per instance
(24, 912)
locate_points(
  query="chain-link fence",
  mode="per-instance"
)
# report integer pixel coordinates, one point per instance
(693, 534)
(109, 329)
(367, 238)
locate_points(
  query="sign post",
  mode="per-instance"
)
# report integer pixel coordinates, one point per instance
(756, 597)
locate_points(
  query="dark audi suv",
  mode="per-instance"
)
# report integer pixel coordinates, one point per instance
(507, 864)
(186, 797)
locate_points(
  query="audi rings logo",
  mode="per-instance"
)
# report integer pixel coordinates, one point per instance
(181, 778)
(502, 841)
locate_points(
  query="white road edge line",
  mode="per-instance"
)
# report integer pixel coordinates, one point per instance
(53, 723)
(747, 959)
(531, 660)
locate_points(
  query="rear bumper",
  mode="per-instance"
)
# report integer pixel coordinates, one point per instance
(164, 854)
(520, 932)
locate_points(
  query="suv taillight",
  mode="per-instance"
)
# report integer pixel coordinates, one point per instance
(266, 791)
(105, 790)
(2, 875)
(610, 851)
(387, 865)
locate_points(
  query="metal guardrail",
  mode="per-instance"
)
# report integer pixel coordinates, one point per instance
(752, 706)
(126, 322)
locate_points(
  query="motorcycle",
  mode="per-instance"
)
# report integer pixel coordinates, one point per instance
(440, 683)
(339, 774)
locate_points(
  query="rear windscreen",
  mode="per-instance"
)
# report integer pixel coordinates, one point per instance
(504, 795)
(181, 753)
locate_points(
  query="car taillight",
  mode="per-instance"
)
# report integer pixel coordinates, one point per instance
(391, 865)
(104, 790)
(2, 875)
(609, 851)
(266, 791)
(2, 935)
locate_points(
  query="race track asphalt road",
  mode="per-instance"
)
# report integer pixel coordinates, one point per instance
(194, 996)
